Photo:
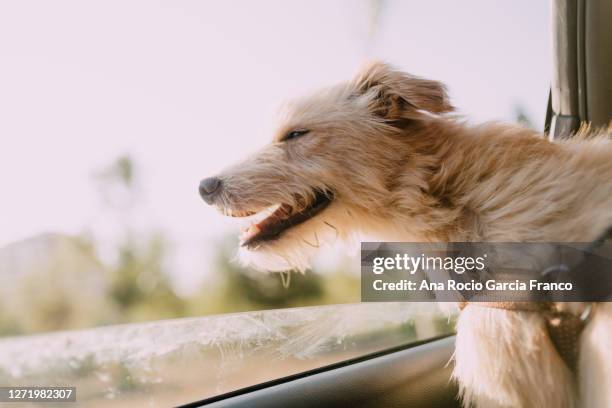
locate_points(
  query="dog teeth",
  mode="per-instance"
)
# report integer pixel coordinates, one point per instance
(249, 232)
(253, 229)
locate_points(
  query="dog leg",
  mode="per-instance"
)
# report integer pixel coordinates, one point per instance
(595, 370)
(505, 359)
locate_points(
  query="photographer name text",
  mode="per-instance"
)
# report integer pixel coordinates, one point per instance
(491, 285)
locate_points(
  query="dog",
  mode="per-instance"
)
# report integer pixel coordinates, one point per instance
(385, 155)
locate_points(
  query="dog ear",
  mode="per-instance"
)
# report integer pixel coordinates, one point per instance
(396, 95)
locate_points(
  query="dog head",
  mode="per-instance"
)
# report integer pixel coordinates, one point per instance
(332, 168)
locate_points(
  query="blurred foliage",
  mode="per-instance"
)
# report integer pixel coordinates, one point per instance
(522, 117)
(242, 289)
(57, 282)
(140, 287)
(375, 11)
(121, 171)
(60, 285)
(117, 185)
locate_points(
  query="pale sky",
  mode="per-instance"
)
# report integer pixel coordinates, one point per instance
(188, 87)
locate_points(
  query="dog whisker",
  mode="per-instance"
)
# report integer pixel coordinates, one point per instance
(334, 228)
(308, 243)
(312, 245)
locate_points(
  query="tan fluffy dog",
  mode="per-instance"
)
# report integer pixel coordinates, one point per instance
(383, 155)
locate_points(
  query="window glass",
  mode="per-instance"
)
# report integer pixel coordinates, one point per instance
(179, 361)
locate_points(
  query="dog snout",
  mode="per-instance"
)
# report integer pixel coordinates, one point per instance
(210, 188)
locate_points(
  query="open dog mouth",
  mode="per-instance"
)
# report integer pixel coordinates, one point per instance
(280, 218)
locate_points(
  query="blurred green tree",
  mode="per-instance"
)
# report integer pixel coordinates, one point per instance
(242, 289)
(522, 117)
(139, 284)
(60, 284)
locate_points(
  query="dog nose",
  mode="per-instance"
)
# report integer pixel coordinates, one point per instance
(209, 187)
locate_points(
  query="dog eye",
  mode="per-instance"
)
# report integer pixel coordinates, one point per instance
(295, 133)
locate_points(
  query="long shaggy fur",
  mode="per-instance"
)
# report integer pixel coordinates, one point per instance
(402, 167)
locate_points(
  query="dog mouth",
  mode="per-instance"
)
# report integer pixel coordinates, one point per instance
(278, 219)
